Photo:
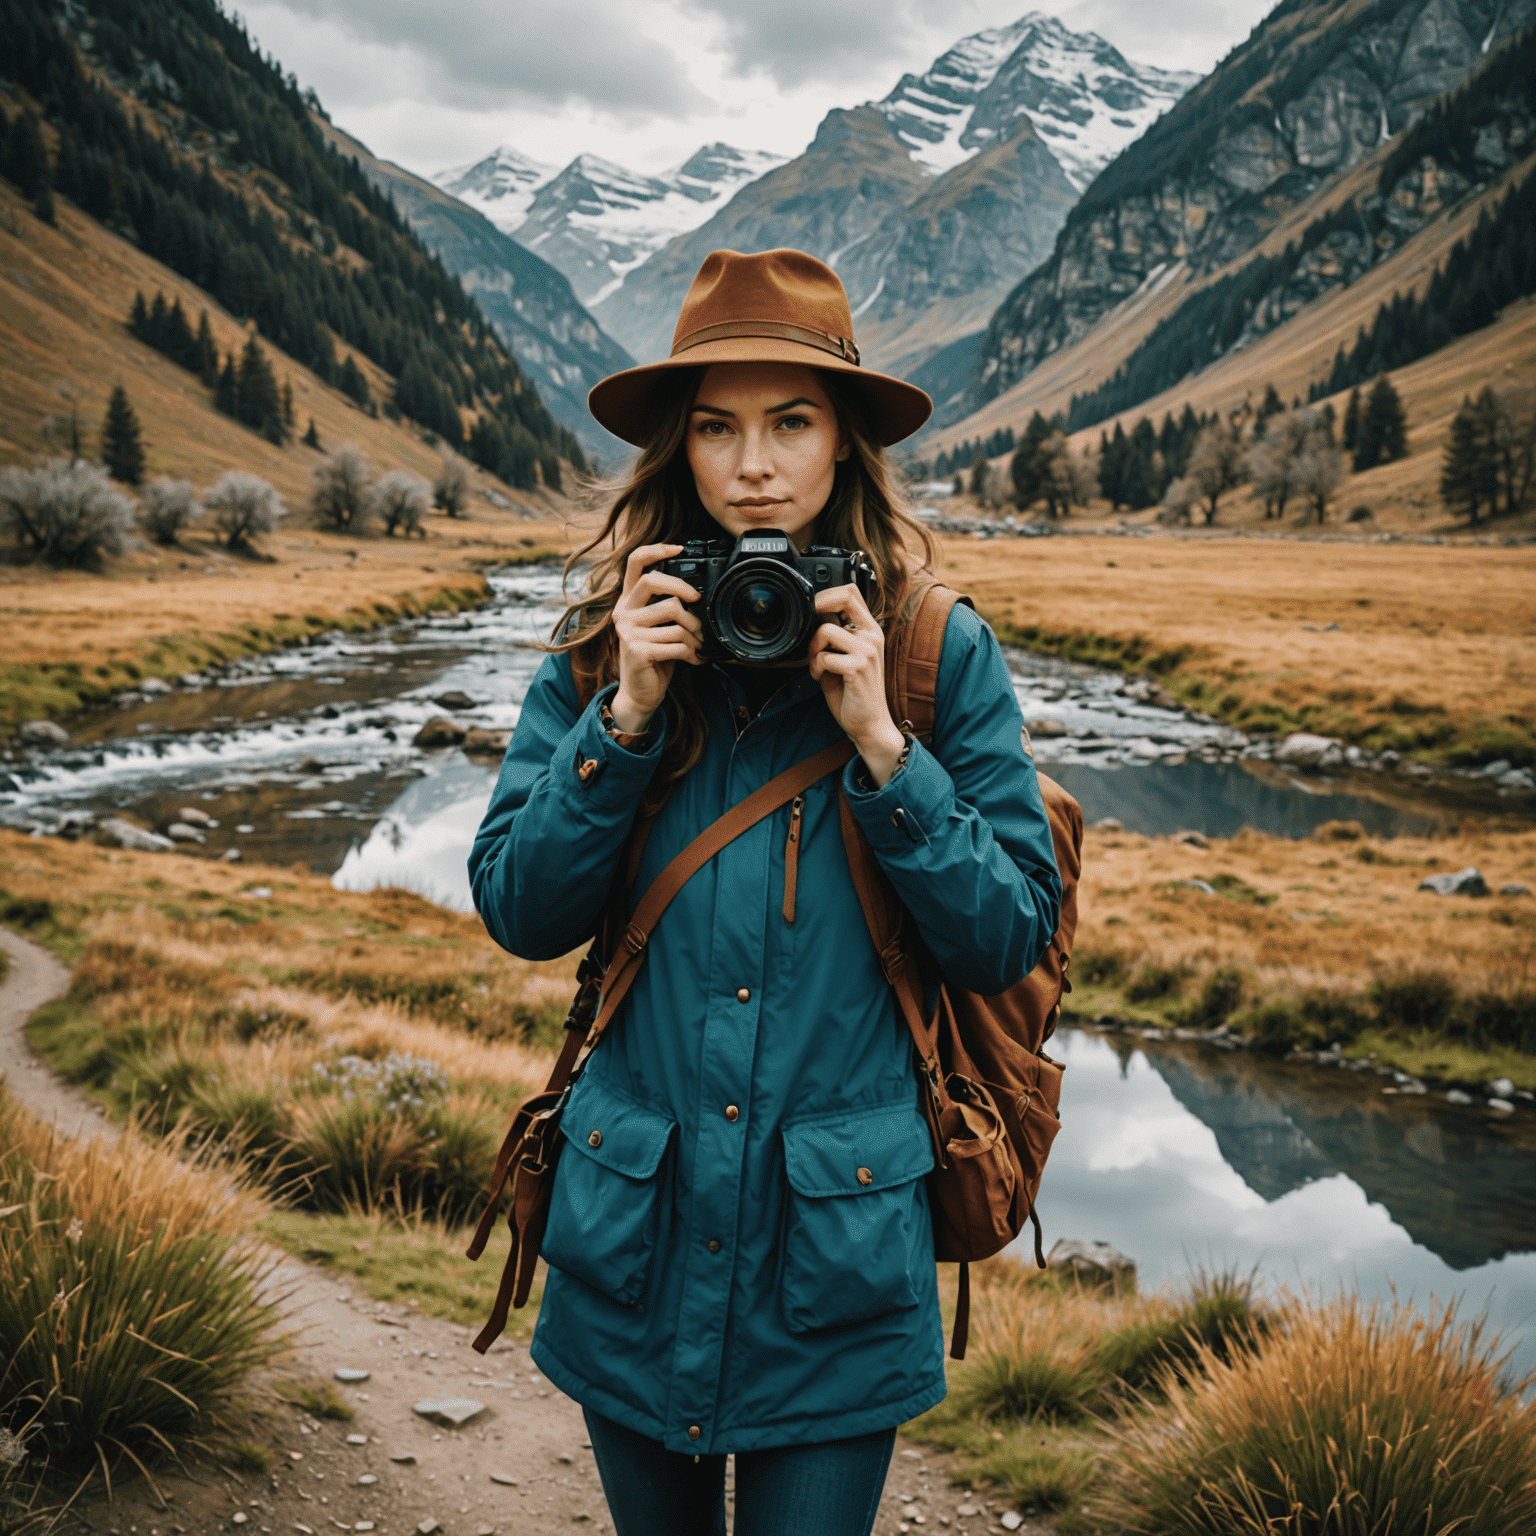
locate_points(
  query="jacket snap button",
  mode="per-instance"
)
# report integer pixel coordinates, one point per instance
(595, 1139)
(743, 995)
(864, 1176)
(714, 1245)
(731, 1112)
(693, 1431)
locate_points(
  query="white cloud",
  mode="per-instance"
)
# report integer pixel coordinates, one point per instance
(645, 82)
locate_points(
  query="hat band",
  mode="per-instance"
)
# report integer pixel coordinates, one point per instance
(771, 330)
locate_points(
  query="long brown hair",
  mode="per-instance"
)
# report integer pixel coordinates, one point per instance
(656, 502)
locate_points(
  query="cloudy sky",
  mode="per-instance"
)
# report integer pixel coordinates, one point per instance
(645, 82)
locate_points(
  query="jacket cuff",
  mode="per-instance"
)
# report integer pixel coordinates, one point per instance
(913, 803)
(594, 771)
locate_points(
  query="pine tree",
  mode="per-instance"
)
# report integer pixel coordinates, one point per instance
(225, 392)
(288, 405)
(258, 402)
(1352, 422)
(207, 352)
(26, 161)
(122, 449)
(1465, 483)
(311, 438)
(1270, 406)
(1383, 430)
(138, 318)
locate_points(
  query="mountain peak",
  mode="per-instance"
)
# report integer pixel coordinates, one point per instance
(1083, 96)
(500, 185)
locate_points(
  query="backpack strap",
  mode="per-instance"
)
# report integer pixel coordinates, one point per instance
(914, 647)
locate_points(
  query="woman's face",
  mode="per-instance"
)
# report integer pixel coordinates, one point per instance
(763, 445)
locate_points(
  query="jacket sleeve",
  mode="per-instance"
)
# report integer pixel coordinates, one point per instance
(543, 859)
(961, 831)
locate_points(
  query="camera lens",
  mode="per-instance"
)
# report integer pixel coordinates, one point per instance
(762, 610)
(758, 611)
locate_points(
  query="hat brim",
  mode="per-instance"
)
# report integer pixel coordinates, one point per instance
(621, 402)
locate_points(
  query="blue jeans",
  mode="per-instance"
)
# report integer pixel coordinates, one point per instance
(796, 1490)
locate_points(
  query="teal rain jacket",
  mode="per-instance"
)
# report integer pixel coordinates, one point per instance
(739, 1242)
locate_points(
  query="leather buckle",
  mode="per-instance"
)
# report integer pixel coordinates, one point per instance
(634, 939)
(892, 958)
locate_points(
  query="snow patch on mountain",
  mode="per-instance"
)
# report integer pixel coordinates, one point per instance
(501, 185)
(1084, 97)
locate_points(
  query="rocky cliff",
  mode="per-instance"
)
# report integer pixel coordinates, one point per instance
(531, 305)
(1315, 89)
(824, 201)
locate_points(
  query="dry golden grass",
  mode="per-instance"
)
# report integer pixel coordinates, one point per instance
(1434, 650)
(66, 295)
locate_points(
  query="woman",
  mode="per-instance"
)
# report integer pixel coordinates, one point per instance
(740, 1252)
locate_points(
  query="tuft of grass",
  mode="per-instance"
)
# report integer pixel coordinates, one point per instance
(318, 1399)
(1347, 1418)
(1032, 1383)
(1220, 995)
(1153, 982)
(245, 1456)
(131, 1306)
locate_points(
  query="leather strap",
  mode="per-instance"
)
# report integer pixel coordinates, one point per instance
(658, 897)
(913, 653)
(962, 1333)
(770, 330)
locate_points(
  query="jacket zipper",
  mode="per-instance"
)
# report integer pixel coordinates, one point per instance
(792, 858)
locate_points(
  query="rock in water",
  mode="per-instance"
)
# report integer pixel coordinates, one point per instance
(350, 1374)
(139, 839)
(1302, 749)
(455, 698)
(1465, 882)
(180, 832)
(439, 731)
(194, 817)
(1514, 888)
(1010, 1520)
(1045, 727)
(480, 742)
(44, 733)
(452, 1411)
(1109, 824)
(1094, 1265)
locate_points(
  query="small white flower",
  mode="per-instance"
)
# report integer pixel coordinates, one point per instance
(75, 1230)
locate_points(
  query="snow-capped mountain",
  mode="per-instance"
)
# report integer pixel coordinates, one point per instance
(595, 221)
(501, 186)
(1086, 100)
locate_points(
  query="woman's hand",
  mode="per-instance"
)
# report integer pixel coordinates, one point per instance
(655, 632)
(848, 660)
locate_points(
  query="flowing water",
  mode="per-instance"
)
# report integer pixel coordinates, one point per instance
(1175, 1153)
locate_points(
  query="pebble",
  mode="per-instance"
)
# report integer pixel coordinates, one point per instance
(428, 1527)
(567, 1458)
(240, 1517)
(965, 1511)
(350, 1373)
(363, 1525)
(1464, 882)
(357, 1439)
(197, 818)
(1514, 888)
(1503, 1106)
(1456, 1096)
(404, 1459)
(366, 1480)
(1010, 1520)
(1502, 1088)
(180, 832)
(452, 1411)
(1109, 824)
(307, 1530)
(504, 1478)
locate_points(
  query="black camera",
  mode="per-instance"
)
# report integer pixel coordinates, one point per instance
(757, 598)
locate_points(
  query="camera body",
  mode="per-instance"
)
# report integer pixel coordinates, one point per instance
(757, 597)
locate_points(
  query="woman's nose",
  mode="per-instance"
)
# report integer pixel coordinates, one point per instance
(756, 460)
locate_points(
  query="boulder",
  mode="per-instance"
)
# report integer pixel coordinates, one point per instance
(180, 832)
(1045, 727)
(1514, 888)
(44, 733)
(1517, 779)
(455, 698)
(1108, 824)
(1302, 749)
(440, 731)
(154, 687)
(1464, 882)
(195, 818)
(124, 834)
(480, 742)
(1192, 839)
(1094, 1265)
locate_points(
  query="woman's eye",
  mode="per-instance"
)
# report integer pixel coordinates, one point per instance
(794, 423)
(714, 429)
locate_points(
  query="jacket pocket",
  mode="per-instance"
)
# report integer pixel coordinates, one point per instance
(606, 1204)
(857, 1217)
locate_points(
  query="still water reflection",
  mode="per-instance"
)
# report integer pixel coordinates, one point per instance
(1178, 1154)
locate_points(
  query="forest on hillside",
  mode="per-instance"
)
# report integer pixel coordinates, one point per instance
(169, 127)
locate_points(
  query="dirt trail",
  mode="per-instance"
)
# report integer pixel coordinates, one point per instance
(521, 1467)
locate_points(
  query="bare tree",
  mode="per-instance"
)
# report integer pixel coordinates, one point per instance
(450, 491)
(340, 498)
(167, 508)
(244, 507)
(1273, 459)
(65, 510)
(62, 432)
(400, 499)
(1508, 414)
(1319, 471)
(1179, 501)
(1066, 479)
(1216, 465)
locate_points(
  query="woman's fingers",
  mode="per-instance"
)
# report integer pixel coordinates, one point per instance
(667, 610)
(647, 554)
(847, 605)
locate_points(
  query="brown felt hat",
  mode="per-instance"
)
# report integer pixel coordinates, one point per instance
(774, 307)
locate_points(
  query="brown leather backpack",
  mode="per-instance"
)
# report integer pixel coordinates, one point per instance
(992, 1095)
(990, 1092)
